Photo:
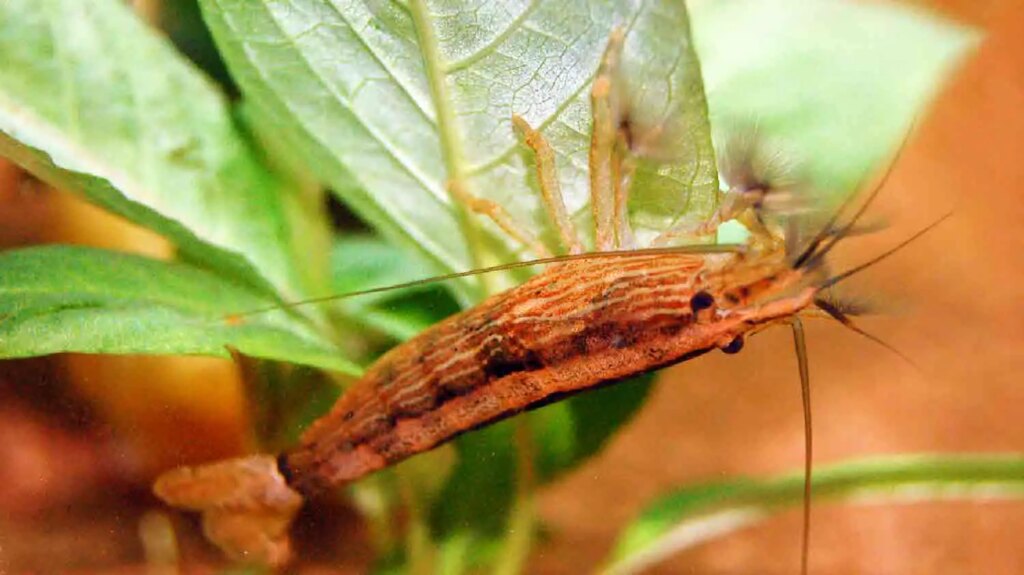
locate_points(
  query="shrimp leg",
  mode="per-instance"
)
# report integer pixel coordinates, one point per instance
(550, 190)
(499, 216)
(604, 101)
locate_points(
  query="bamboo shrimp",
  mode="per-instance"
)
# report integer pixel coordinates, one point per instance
(586, 321)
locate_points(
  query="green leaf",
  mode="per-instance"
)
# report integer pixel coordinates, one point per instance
(93, 101)
(361, 262)
(389, 101)
(61, 298)
(834, 85)
(694, 515)
(284, 400)
(365, 262)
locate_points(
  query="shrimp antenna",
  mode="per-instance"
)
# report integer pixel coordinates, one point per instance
(837, 314)
(828, 237)
(857, 269)
(800, 344)
(693, 249)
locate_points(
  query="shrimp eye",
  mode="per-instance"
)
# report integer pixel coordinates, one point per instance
(734, 346)
(701, 300)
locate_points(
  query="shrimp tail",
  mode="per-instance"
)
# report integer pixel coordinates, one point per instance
(247, 506)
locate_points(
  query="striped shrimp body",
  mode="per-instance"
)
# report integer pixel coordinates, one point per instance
(578, 325)
(586, 320)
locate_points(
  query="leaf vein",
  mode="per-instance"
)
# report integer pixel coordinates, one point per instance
(406, 91)
(385, 145)
(503, 155)
(485, 50)
(403, 226)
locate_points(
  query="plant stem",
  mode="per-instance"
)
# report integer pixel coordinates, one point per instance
(519, 541)
(451, 140)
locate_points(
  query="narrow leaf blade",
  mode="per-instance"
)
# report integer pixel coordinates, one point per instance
(694, 515)
(61, 298)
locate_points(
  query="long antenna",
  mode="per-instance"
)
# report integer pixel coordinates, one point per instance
(828, 230)
(800, 344)
(811, 253)
(697, 249)
(837, 314)
(857, 269)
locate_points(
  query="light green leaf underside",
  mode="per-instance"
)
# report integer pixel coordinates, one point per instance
(351, 81)
(93, 101)
(61, 298)
(694, 515)
(834, 86)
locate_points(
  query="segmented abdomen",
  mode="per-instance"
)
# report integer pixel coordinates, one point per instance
(577, 325)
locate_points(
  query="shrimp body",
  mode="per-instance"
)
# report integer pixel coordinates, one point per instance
(578, 325)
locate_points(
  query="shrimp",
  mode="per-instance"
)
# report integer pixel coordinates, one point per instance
(585, 321)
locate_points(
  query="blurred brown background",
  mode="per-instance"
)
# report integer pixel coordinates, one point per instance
(954, 302)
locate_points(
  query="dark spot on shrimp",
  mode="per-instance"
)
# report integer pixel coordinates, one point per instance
(701, 300)
(445, 394)
(505, 357)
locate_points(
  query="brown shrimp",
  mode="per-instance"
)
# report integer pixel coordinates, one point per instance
(578, 325)
(587, 320)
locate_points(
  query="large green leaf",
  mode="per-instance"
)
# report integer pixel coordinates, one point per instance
(93, 101)
(388, 101)
(832, 85)
(696, 514)
(61, 298)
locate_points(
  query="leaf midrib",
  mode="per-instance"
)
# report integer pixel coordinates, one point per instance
(451, 140)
